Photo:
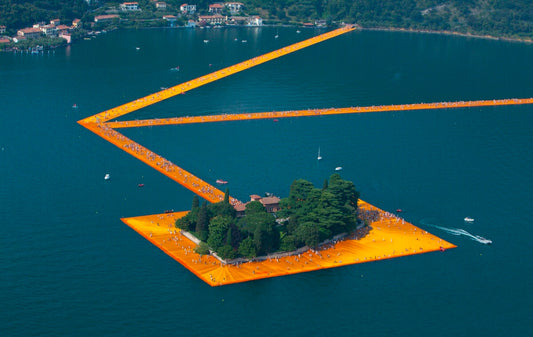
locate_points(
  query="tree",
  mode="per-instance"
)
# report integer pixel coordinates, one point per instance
(247, 248)
(195, 202)
(226, 195)
(202, 223)
(218, 229)
(307, 233)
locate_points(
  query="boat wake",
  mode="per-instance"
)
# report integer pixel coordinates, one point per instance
(459, 231)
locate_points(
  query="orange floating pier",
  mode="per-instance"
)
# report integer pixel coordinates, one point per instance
(390, 236)
(317, 112)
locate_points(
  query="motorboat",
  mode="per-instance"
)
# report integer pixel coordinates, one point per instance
(140, 185)
(483, 240)
(338, 168)
(319, 157)
(467, 219)
(107, 176)
(206, 41)
(221, 182)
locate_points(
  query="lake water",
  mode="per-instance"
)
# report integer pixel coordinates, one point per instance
(70, 267)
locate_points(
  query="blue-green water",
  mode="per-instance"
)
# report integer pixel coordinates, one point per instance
(70, 267)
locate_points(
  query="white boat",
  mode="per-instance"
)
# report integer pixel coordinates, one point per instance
(137, 48)
(338, 168)
(206, 41)
(107, 176)
(467, 219)
(483, 240)
(244, 41)
(319, 157)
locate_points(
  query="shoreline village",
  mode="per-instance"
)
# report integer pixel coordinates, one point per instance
(390, 236)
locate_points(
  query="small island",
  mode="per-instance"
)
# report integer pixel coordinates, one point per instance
(308, 218)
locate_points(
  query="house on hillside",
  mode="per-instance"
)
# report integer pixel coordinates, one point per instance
(234, 7)
(76, 23)
(216, 8)
(2, 29)
(161, 5)
(55, 22)
(187, 9)
(129, 6)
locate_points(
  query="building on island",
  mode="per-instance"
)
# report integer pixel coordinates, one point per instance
(187, 9)
(216, 8)
(29, 33)
(129, 6)
(234, 7)
(271, 204)
(106, 18)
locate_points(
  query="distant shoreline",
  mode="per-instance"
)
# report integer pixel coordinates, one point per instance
(447, 32)
(361, 28)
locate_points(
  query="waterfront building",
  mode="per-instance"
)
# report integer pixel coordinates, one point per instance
(29, 33)
(187, 9)
(191, 24)
(238, 20)
(216, 19)
(66, 35)
(255, 21)
(171, 19)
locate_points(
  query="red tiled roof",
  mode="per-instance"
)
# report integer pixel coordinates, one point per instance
(270, 200)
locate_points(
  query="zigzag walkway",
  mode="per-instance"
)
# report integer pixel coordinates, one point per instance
(171, 170)
(184, 87)
(316, 112)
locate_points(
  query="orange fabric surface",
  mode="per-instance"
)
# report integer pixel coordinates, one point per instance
(390, 237)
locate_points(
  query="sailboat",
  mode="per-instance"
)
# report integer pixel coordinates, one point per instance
(319, 157)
